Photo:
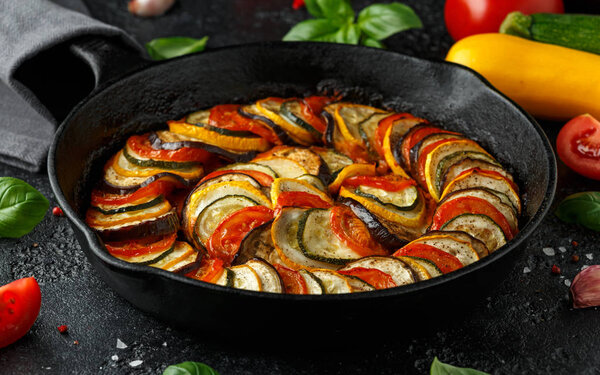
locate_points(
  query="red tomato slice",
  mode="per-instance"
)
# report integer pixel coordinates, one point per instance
(353, 150)
(292, 280)
(312, 107)
(260, 177)
(20, 303)
(226, 116)
(382, 128)
(225, 241)
(417, 136)
(469, 17)
(472, 205)
(163, 186)
(140, 144)
(423, 159)
(444, 261)
(375, 277)
(300, 199)
(349, 229)
(146, 245)
(209, 270)
(578, 146)
(388, 183)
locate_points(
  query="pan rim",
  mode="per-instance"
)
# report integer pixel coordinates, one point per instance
(96, 246)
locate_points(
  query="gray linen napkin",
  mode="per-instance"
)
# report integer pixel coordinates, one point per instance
(30, 30)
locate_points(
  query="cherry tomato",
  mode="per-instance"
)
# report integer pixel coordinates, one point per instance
(349, 229)
(388, 183)
(472, 205)
(225, 241)
(300, 199)
(226, 116)
(375, 277)
(578, 146)
(146, 245)
(260, 177)
(140, 144)
(210, 269)
(292, 280)
(469, 17)
(20, 303)
(444, 261)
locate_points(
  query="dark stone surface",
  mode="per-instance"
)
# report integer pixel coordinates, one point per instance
(525, 326)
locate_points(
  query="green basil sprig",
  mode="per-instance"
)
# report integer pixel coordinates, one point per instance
(334, 22)
(190, 368)
(22, 207)
(167, 48)
(440, 368)
(581, 208)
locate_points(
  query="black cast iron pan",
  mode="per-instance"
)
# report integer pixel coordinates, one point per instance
(453, 96)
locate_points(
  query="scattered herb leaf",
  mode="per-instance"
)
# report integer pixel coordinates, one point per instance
(167, 48)
(581, 208)
(190, 368)
(334, 22)
(440, 368)
(22, 207)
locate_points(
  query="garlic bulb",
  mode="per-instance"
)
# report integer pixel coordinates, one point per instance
(149, 8)
(585, 288)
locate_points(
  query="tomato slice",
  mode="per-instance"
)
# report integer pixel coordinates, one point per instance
(375, 277)
(260, 177)
(382, 128)
(353, 232)
(140, 144)
(162, 186)
(444, 261)
(578, 146)
(225, 241)
(472, 205)
(293, 282)
(226, 116)
(146, 245)
(388, 183)
(417, 136)
(353, 150)
(312, 107)
(210, 269)
(300, 199)
(20, 303)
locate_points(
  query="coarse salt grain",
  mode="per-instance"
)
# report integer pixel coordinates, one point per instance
(135, 363)
(164, 344)
(115, 357)
(584, 267)
(562, 249)
(526, 270)
(549, 251)
(590, 256)
(568, 282)
(121, 344)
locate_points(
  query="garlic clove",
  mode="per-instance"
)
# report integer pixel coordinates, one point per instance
(585, 288)
(149, 8)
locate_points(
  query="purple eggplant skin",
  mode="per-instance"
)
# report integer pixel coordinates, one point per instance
(281, 134)
(166, 224)
(191, 266)
(387, 239)
(122, 190)
(158, 144)
(329, 129)
(246, 250)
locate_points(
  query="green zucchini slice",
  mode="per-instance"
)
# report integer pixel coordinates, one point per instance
(431, 267)
(314, 285)
(269, 278)
(147, 203)
(98, 219)
(451, 159)
(404, 200)
(244, 277)
(291, 111)
(334, 160)
(456, 169)
(313, 180)
(479, 226)
(226, 278)
(400, 272)
(358, 284)
(228, 177)
(476, 244)
(353, 115)
(367, 127)
(140, 161)
(212, 215)
(333, 282)
(318, 242)
(251, 167)
(284, 167)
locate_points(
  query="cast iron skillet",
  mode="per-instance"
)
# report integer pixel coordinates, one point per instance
(455, 97)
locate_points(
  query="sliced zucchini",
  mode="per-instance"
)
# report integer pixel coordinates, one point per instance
(417, 150)
(419, 270)
(333, 282)
(98, 220)
(281, 185)
(479, 226)
(314, 285)
(348, 118)
(124, 167)
(117, 184)
(212, 215)
(284, 233)
(142, 204)
(251, 111)
(291, 110)
(312, 180)
(477, 245)
(462, 250)
(244, 277)
(140, 161)
(228, 177)
(449, 160)
(183, 259)
(318, 242)
(358, 284)
(366, 129)
(392, 157)
(333, 159)
(282, 166)
(466, 164)
(357, 169)
(147, 259)
(156, 226)
(400, 272)
(198, 117)
(270, 108)
(431, 267)
(226, 278)
(269, 278)
(251, 167)
(228, 140)
(404, 200)
(305, 157)
(256, 244)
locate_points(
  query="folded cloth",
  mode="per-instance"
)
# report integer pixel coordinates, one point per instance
(32, 38)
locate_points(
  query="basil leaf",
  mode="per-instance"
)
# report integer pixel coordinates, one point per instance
(440, 368)
(581, 208)
(190, 368)
(321, 30)
(167, 48)
(348, 34)
(370, 42)
(380, 21)
(339, 11)
(22, 207)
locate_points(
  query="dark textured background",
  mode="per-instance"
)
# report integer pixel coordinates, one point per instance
(525, 326)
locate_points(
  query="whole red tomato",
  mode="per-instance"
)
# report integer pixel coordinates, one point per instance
(19, 308)
(578, 146)
(469, 17)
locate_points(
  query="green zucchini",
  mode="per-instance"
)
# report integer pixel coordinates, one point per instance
(226, 279)
(228, 132)
(184, 263)
(367, 128)
(135, 159)
(291, 111)
(400, 272)
(479, 226)
(577, 31)
(314, 285)
(334, 160)
(404, 200)
(210, 217)
(135, 207)
(250, 167)
(333, 282)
